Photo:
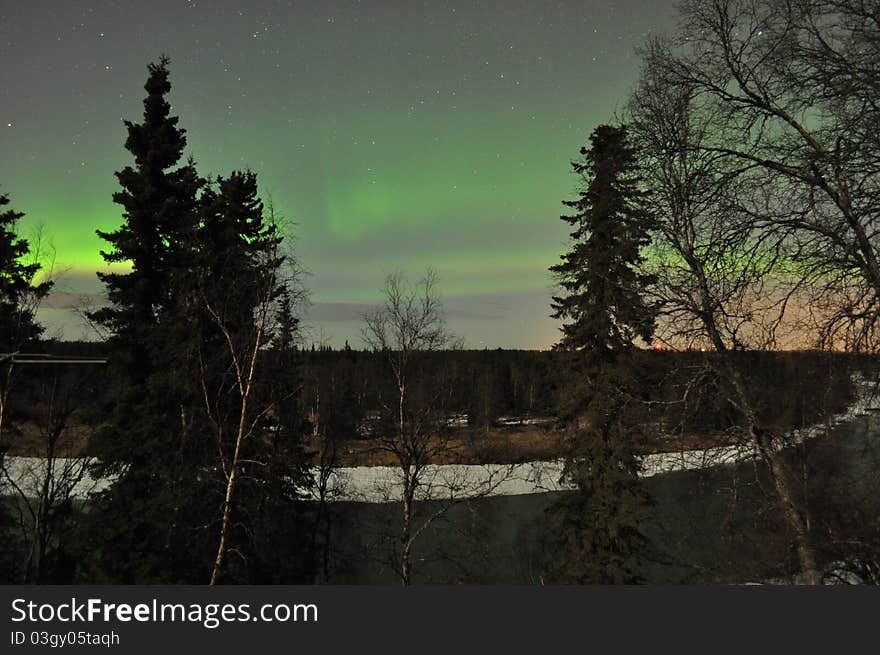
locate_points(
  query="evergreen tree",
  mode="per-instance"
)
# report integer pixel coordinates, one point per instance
(287, 325)
(160, 215)
(606, 313)
(238, 251)
(148, 437)
(183, 327)
(600, 274)
(20, 295)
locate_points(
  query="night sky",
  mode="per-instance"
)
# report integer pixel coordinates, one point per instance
(393, 135)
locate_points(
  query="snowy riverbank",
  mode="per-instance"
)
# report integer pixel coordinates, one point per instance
(376, 484)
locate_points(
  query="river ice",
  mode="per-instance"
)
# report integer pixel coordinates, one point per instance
(376, 484)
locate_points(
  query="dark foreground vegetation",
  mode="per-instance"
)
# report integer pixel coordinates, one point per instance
(708, 526)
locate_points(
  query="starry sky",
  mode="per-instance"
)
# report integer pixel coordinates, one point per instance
(391, 135)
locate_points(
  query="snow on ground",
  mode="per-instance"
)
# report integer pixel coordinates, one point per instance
(383, 484)
(378, 484)
(29, 473)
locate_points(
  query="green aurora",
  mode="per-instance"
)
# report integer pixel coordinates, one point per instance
(388, 138)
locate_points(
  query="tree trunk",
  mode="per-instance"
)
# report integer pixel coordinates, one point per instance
(797, 520)
(794, 516)
(227, 508)
(406, 533)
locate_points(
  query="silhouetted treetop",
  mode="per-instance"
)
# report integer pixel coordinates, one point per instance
(599, 275)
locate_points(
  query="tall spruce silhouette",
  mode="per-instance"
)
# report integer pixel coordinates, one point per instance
(181, 322)
(605, 312)
(148, 437)
(160, 212)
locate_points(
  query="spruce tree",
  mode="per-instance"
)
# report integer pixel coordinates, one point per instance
(20, 295)
(287, 325)
(605, 312)
(19, 298)
(160, 202)
(600, 274)
(202, 264)
(238, 252)
(148, 437)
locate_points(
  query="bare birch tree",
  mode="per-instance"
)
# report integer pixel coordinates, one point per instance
(240, 307)
(790, 89)
(48, 485)
(714, 266)
(409, 329)
(244, 363)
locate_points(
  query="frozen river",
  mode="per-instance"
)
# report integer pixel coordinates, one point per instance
(377, 484)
